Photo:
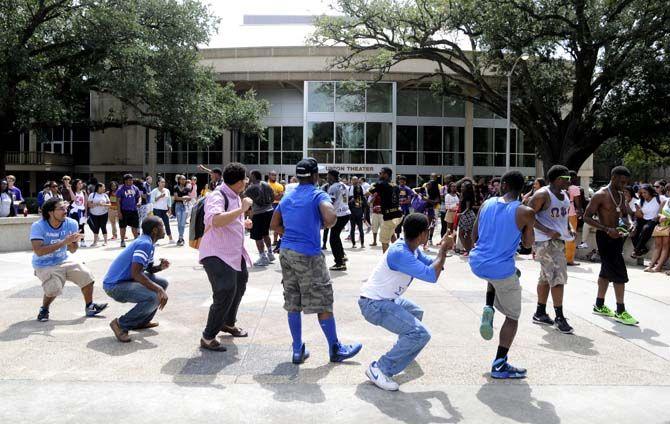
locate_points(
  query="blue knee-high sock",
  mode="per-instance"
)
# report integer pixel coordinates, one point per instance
(328, 328)
(295, 325)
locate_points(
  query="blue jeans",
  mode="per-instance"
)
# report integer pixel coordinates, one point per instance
(180, 211)
(402, 317)
(145, 299)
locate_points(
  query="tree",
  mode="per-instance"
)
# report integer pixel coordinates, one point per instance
(586, 57)
(142, 52)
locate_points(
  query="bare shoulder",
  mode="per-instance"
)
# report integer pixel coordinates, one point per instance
(526, 212)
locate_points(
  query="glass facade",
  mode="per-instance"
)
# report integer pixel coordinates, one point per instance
(278, 145)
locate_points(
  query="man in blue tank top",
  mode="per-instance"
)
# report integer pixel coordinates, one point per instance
(501, 224)
(552, 230)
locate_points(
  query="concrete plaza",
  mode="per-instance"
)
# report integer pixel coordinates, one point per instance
(72, 369)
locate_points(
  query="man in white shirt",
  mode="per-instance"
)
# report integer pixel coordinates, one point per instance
(381, 302)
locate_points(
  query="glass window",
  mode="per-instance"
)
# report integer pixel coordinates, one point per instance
(82, 153)
(454, 139)
(406, 137)
(291, 158)
(482, 140)
(430, 159)
(215, 157)
(349, 156)
(454, 108)
(481, 112)
(378, 135)
(406, 158)
(322, 156)
(350, 96)
(248, 142)
(320, 96)
(378, 156)
(320, 135)
(430, 139)
(218, 144)
(454, 159)
(501, 140)
(292, 138)
(483, 159)
(81, 134)
(407, 103)
(429, 104)
(249, 158)
(380, 98)
(349, 135)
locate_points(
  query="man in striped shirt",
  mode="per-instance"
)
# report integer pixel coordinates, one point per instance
(132, 279)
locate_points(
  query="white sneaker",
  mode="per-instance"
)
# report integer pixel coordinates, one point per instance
(380, 379)
(262, 261)
(583, 245)
(271, 257)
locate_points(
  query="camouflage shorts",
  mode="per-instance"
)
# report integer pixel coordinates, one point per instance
(307, 284)
(551, 255)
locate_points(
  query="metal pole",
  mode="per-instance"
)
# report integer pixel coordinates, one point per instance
(509, 107)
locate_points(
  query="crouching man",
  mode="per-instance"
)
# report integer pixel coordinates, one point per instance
(132, 279)
(382, 304)
(52, 238)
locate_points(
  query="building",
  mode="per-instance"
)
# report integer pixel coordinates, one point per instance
(346, 121)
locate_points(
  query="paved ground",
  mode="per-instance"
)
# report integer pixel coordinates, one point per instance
(72, 369)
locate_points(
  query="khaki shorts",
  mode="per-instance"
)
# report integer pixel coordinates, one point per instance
(508, 296)
(307, 284)
(53, 278)
(376, 221)
(554, 267)
(388, 229)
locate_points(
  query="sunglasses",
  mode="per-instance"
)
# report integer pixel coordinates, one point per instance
(657, 186)
(565, 177)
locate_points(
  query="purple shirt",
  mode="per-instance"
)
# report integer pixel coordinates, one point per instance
(128, 196)
(17, 196)
(227, 242)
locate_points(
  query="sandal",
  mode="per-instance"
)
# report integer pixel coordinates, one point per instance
(235, 331)
(213, 345)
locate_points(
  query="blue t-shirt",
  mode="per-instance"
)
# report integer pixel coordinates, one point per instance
(499, 237)
(302, 219)
(42, 230)
(140, 251)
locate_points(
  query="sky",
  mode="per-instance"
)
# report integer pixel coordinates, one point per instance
(232, 32)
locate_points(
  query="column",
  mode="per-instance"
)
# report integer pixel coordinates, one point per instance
(469, 139)
(227, 147)
(150, 166)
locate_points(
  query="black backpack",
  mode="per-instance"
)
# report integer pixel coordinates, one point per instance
(196, 228)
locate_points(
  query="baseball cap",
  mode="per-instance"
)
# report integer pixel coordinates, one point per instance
(306, 167)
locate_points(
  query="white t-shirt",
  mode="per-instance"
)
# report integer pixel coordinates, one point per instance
(290, 187)
(338, 194)
(451, 202)
(365, 187)
(164, 202)
(48, 195)
(6, 201)
(650, 209)
(79, 202)
(97, 199)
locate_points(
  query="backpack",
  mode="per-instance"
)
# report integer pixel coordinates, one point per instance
(196, 228)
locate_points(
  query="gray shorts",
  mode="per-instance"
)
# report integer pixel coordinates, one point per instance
(307, 284)
(554, 266)
(508, 296)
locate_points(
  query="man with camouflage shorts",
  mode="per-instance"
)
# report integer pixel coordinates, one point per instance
(552, 229)
(307, 285)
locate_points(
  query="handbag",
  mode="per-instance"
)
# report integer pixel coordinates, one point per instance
(661, 231)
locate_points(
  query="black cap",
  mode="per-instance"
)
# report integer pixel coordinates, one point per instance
(334, 172)
(306, 168)
(217, 171)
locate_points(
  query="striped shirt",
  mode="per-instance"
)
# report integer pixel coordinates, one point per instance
(227, 242)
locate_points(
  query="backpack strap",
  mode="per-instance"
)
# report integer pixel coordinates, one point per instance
(225, 209)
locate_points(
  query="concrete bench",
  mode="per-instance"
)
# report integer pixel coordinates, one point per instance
(15, 233)
(627, 249)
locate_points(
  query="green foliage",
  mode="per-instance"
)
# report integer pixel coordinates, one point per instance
(591, 62)
(142, 52)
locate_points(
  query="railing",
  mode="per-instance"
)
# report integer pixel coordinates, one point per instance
(38, 158)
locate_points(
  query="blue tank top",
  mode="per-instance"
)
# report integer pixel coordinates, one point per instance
(499, 237)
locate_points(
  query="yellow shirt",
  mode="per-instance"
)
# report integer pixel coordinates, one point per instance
(278, 190)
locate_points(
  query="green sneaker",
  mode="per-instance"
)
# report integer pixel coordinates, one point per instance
(486, 326)
(603, 310)
(625, 318)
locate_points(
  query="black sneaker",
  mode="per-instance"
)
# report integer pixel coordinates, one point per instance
(94, 309)
(123, 243)
(543, 319)
(43, 316)
(340, 267)
(561, 324)
(180, 242)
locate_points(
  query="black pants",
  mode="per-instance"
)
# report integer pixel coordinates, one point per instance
(336, 240)
(645, 228)
(326, 231)
(228, 287)
(357, 221)
(162, 214)
(443, 224)
(98, 223)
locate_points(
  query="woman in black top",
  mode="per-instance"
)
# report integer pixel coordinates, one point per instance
(357, 205)
(467, 216)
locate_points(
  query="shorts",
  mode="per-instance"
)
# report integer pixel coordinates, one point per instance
(376, 221)
(612, 266)
(261, 225)
(307, 284)
(554, 267)
(508, 296)
(449, 217)
(388, 229)
(53, 278)
(130, 219)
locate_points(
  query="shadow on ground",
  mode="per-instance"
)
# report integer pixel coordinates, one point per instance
(23, 329)
(112, 347)
(516, 402)
(203, 368)
(559, 342)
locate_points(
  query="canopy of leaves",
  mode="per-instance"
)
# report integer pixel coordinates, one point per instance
(53, 53)
(587, 66)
